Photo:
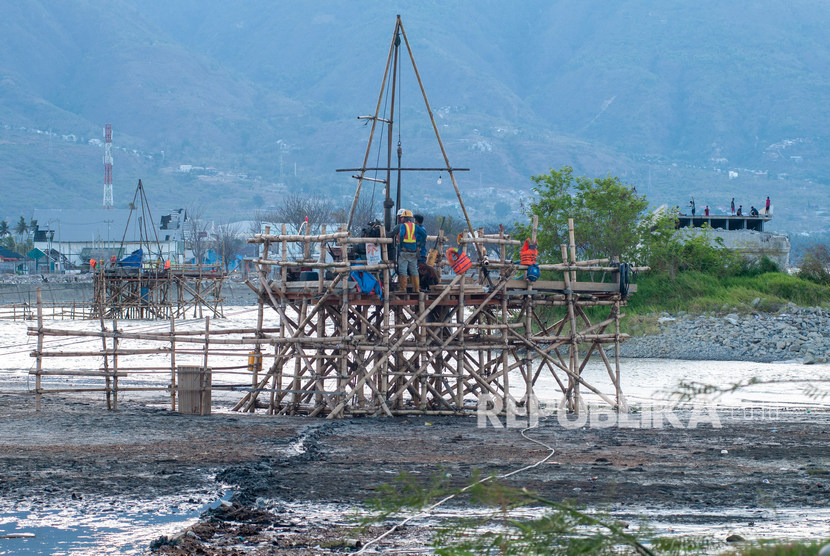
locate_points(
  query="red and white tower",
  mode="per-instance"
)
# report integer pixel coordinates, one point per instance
(108, 166)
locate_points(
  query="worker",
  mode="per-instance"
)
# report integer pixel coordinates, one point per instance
(427, 274)
(766, 210)
(740, 210)
(706, 210)
(92, 264)
(422, 251)
(753, 211)
(410, 237)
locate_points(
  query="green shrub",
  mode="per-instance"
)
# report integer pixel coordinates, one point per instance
(813, 270)
(697, 291)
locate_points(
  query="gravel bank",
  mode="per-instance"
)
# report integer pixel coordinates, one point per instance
(794, 333)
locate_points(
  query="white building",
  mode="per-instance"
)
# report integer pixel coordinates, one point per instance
(81, 235)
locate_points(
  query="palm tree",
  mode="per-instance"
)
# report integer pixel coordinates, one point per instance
(4, 228)
(21, 227)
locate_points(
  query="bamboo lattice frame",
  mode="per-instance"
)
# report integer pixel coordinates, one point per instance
(158, 293)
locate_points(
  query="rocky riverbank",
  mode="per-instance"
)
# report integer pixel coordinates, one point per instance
(801, 333)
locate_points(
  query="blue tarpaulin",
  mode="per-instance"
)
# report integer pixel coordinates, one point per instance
(133, 260)
(366, 283)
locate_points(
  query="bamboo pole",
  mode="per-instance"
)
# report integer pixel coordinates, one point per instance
(172, 361)
(39, 361)
(304, 238)
(205, 372)
(104, 353)
(114, 364)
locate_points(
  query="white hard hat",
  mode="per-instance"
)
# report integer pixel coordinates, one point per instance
(400, 212)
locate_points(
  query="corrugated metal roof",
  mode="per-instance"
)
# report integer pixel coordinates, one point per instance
(6, 254)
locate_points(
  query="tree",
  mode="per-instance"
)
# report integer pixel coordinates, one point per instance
(195, 233)
(21, 227)
(363, 214)
(607, 214)
(4, 229)
(815, 264)
(227, 243)
(295, 209)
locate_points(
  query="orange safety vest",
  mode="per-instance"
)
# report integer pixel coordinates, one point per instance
(408, 239)
(166, 265)
(93, 263)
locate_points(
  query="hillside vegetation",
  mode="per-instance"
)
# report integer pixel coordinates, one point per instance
(669, 97)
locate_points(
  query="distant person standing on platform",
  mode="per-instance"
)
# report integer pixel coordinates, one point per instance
(706, 210)
(733, 206)
(410, 237)
(766, 210)
(692, 204)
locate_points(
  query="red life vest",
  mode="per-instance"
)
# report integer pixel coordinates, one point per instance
(529, 253)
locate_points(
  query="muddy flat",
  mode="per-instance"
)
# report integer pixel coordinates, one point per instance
(74, 451)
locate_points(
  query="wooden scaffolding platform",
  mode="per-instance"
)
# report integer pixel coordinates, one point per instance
(341, 352)
(178, 292)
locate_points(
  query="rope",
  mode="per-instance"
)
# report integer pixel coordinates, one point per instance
(466, 488)
(625, 278)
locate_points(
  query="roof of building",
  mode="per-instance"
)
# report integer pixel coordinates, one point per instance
(104, 225)
(7, 254)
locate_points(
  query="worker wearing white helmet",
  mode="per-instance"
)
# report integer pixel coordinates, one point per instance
(409, 238)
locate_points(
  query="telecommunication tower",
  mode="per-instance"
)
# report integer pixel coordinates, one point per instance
(108, 167)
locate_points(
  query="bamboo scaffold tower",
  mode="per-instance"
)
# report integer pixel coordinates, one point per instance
(341, 351)
(152, 287)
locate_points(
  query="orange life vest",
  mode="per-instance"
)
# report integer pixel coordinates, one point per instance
(460, 262)
(529, 253)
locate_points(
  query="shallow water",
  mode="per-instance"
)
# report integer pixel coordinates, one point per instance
(98, 527)
(644, 381)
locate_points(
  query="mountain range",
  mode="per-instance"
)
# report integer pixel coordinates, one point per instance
(230, 105)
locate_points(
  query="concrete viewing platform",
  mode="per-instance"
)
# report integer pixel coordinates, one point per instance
(724, 221)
